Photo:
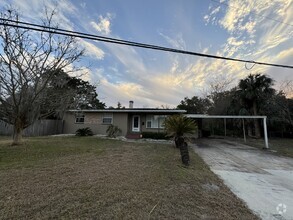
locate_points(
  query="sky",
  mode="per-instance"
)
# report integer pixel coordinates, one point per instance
(245, 29)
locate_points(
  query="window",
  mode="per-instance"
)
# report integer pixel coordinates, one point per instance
(155, 121)
(149, 124)
(107, 118)
(79, 118)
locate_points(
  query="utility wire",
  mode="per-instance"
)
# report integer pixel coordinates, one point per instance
(43, 28)
(67, 31)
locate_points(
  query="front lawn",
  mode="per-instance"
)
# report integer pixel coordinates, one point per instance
(75, 177)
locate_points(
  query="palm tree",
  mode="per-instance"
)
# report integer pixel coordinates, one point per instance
(177, 126)
(254, 89)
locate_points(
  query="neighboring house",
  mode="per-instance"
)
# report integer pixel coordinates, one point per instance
(131, 121)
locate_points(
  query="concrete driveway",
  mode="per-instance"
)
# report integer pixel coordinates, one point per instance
(263, 180)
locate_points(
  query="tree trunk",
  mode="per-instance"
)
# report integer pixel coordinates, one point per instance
(290, 119)
(183, 150)
(249, 130)
(17, 135)
(256, 121)
(177, 144)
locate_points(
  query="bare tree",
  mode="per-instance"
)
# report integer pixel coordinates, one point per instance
(286, 86)
(216, 85)
(220, 84)
(28, 61)
(166, 106)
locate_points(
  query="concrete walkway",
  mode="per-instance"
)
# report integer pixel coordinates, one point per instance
(263, 180)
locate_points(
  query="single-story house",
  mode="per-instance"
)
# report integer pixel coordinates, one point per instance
(131, 121)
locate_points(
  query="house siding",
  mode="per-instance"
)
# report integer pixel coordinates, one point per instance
(94, 122)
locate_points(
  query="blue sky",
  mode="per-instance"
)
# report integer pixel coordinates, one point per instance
(234, 28)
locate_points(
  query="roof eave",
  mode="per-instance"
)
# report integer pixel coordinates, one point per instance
(130, 110)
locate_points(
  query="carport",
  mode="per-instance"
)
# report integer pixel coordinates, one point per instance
(224, 117)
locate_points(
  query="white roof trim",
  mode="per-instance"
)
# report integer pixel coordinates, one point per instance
(224, 116)
(132, 110)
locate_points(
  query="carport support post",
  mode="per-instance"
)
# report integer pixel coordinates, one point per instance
(265, 132)
(243, 125)
(225, 127)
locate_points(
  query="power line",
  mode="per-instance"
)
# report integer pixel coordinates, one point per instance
(270, 18)
(68, 31)
(43, 28)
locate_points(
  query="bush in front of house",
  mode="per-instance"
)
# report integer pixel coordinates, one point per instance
(84, 132)
(155, 135)
(113, 131)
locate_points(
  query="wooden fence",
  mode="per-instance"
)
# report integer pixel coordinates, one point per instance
(39, 128)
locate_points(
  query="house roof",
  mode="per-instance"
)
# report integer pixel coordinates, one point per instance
(131, 110)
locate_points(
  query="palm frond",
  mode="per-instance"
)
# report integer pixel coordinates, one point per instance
(179, 125)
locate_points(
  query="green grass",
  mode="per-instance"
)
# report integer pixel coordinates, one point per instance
(34, 150)
(88, 177)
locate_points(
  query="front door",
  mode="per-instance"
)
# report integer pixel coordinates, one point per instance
(135, 123)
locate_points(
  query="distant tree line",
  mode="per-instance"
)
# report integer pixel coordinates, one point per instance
(254, 95)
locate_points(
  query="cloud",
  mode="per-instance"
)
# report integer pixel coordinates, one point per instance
(186, 76)
(277, 34)
(144, 86)
(285, 54)
(241, 15)
(130, 59)
(111, 93)
(247, 24)
(233, 41)
(167, 87)
(92, 50)
(103, 25)
(152, 83)
(176, 42)
(83, 5)
(153, 78)
(211, 18)
(34, 11)
(249, 27)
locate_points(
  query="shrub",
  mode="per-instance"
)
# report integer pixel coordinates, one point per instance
(113, 131)
(84, 132)
(155, 135)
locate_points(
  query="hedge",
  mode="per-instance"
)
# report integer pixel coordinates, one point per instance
(155, 135)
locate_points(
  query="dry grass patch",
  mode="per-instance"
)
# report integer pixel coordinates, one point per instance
(283, 146)
(95, 178)
(280, 146)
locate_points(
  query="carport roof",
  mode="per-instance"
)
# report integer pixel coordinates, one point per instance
(235, 117)
(224, 116)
